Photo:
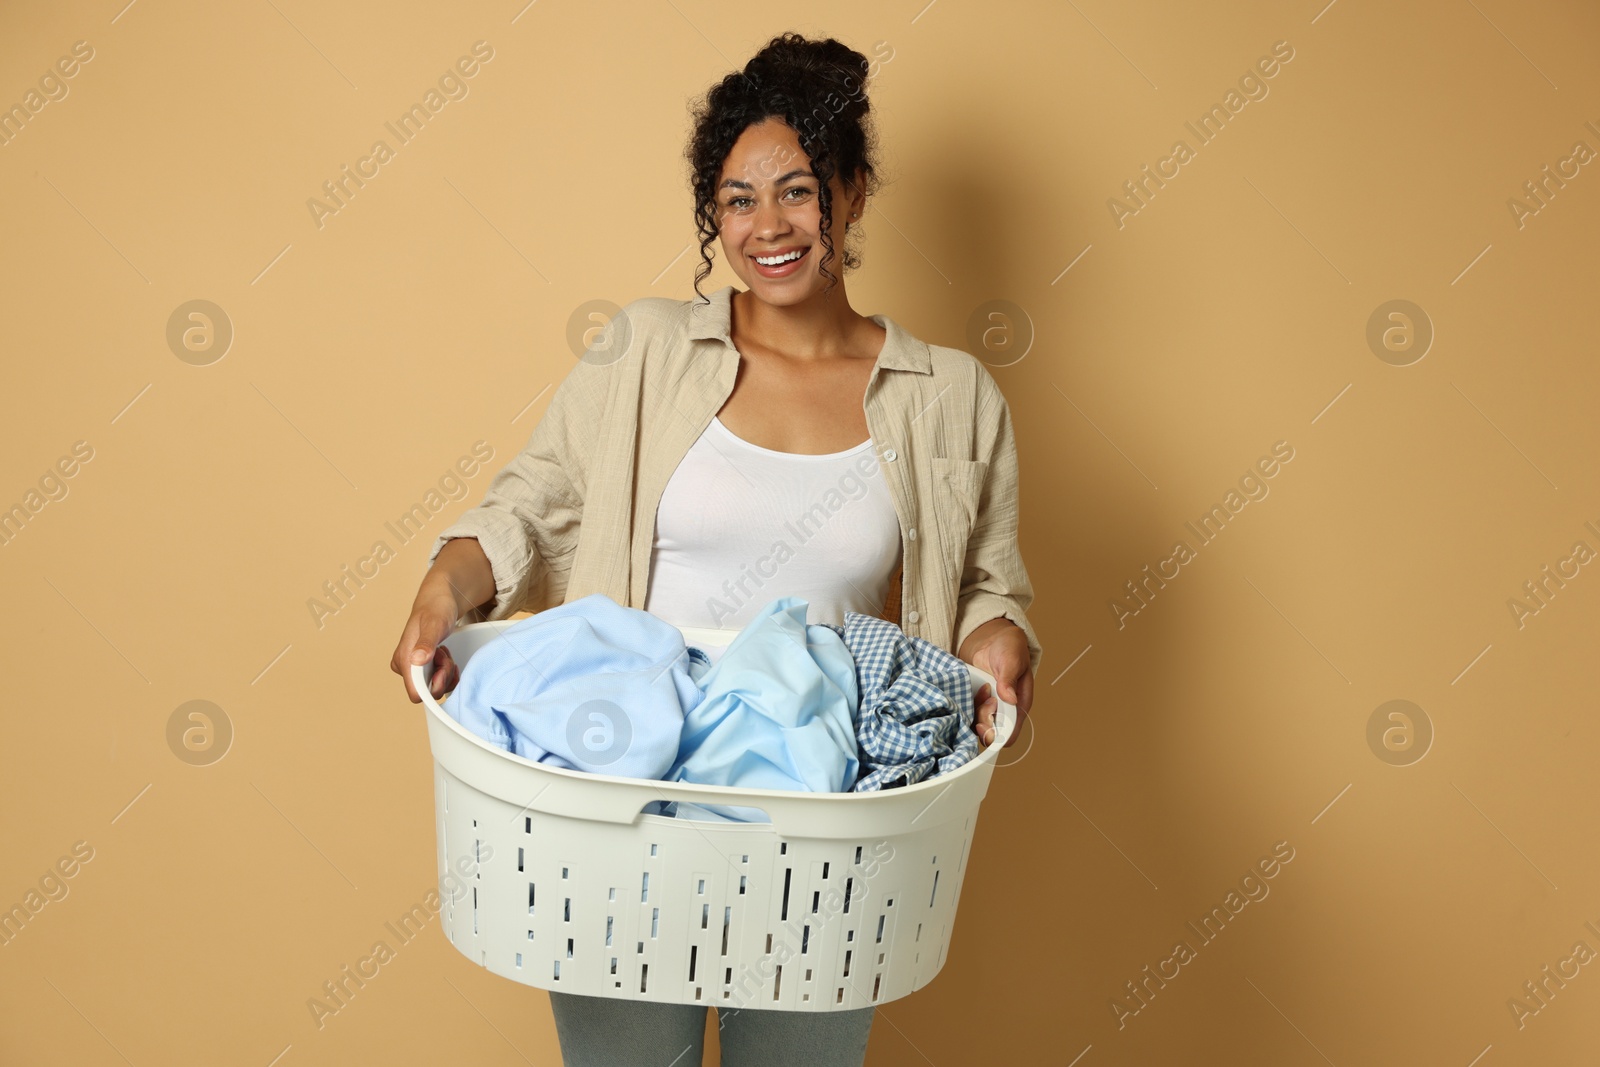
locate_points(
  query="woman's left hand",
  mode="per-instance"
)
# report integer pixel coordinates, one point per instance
(1000, 648)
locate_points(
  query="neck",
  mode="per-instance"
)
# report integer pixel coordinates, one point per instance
(817, 327)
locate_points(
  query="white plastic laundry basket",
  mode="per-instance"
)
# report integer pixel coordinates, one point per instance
(554, 878)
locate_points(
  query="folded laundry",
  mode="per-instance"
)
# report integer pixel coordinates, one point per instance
(914, 719)
(778, 712)
(589, 685)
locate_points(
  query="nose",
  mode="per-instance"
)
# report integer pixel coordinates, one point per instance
(769, 220)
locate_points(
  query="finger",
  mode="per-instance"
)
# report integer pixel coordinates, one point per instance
(428, 639)
(431, 630)
(979, 702)
(1024, 699)
(444, 673)
(984, 720)
(1008, 675)
(401, 663)
(1018, 693)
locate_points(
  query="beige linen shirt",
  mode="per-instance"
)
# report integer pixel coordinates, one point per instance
(574, 512)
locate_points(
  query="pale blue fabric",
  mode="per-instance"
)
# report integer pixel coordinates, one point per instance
(778, 713)
(595, 686)
(589, 685)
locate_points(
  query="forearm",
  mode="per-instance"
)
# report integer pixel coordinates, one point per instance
(462, 572)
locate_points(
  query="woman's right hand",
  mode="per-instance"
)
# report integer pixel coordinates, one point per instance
(460, 578)
(432, 619)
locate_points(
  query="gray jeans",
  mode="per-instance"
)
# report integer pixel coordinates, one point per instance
(609, 1032)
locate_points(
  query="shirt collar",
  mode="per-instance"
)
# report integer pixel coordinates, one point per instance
(713, 321)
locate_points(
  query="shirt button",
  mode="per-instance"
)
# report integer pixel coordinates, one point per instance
(913, 617)
(912, 533)
(888, 454)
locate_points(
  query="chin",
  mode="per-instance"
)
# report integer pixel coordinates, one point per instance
(783, 292)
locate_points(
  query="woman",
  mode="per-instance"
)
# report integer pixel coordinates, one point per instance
(705, 457)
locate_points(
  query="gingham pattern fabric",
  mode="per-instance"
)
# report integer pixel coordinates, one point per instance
(915, 717)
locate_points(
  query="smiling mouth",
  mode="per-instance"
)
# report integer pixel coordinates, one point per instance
(783, 263)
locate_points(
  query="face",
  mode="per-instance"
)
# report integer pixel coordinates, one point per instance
(767, 205)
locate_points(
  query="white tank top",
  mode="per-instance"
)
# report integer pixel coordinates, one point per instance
(739, 525)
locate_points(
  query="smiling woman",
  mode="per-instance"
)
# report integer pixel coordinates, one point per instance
(760, 442)
(804, 158)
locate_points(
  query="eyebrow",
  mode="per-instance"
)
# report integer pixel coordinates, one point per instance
(735, 183)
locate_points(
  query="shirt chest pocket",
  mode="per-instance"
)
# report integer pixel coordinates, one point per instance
(957, 494)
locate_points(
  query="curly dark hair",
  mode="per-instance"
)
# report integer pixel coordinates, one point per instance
(818, 88)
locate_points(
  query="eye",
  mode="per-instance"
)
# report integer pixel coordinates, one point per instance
(740, 203)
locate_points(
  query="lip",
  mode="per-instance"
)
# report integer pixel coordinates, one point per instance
(783, 270)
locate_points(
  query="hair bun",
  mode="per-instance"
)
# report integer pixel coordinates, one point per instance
(826, 63)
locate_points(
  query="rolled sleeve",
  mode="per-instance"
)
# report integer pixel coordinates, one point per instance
(523, 532)
(994, 580)
(529, 519)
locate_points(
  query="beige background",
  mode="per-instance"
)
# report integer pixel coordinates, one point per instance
(1229, 313)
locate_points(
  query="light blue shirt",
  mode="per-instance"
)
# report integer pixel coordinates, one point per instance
(595, 686)
(589, 685)
(778, 712)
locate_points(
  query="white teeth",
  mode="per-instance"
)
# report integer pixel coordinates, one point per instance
(775, 260)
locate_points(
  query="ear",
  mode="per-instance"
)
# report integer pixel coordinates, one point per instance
(857, 197)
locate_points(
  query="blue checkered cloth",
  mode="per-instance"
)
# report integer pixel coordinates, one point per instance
(915, 717)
